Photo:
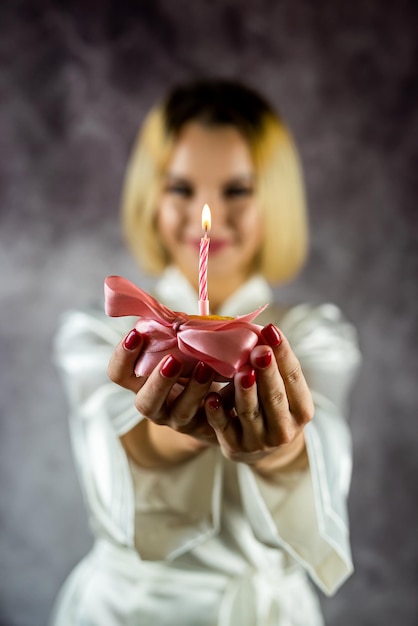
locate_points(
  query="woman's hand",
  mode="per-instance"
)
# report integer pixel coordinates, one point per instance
(165, 399)
(258, 419)
(263, 424)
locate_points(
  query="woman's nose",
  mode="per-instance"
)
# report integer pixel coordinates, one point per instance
(194, 214)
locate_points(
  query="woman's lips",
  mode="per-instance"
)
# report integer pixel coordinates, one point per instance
(216, 245)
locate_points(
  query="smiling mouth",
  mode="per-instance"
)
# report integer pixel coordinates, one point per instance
(216, 245)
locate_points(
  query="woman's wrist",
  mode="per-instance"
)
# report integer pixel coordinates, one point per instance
(287, 458)
(152, 446)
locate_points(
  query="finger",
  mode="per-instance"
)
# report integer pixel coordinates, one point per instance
(151, 399)
(187, 404)
(279, 423)
(248, 409)
(298, 395)
(122, 362)
(224, 426)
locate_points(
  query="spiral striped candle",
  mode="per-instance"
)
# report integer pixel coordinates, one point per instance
(203, 263)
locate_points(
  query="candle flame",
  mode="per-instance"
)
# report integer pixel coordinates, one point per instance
(206, 219)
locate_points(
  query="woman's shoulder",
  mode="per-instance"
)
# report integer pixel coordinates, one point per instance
(312, 314)
(312, 326)
(292, 315)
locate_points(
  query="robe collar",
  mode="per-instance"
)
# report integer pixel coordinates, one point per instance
(174, 290)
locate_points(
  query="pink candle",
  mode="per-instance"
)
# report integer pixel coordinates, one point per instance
(203, 263)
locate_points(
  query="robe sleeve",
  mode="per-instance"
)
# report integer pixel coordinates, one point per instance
(83, 346)
(98, 411)
(305, 513)
(162, 513)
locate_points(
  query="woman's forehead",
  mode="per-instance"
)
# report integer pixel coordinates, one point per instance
(220, 149)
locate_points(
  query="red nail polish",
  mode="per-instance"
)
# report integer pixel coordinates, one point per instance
(132, 340)
(263, 360)
(271, 335)
(171, 367)
(248, 380)
(202, 373)
(214, 402)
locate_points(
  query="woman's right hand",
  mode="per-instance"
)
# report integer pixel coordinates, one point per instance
(165, 399)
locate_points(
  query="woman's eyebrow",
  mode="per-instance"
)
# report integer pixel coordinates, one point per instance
(177, 178)
(239, 179)
(246, 179)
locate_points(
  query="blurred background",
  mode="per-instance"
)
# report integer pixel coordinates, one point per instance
(76, 79)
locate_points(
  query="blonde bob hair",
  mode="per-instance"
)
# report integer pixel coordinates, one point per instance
(279, 181)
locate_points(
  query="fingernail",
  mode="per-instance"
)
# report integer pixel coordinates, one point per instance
(214, 402)
(132, 339)
(271, 335)
(263, 360)
(248, 380)
(171, 367)
(202, 373)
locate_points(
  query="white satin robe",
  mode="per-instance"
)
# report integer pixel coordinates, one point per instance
(210, 542)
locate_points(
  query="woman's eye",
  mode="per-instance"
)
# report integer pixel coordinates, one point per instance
(180, 190)
(238, 192)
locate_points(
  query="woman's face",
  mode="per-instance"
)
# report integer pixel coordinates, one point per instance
(211, 165)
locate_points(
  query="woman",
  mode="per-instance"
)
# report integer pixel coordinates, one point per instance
(211, 503)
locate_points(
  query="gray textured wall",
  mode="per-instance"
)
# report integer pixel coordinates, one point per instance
(76, 78)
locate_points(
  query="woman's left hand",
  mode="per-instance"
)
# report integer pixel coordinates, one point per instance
(271, 405)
